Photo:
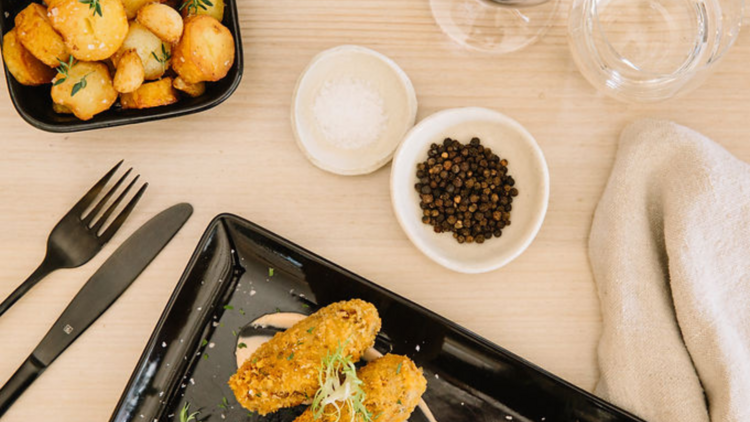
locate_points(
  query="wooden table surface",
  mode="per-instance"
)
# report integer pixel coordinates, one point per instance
(240, 157)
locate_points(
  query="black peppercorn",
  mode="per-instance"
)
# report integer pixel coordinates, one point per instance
(466, 190)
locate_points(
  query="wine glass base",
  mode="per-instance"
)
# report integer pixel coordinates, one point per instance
(482, 25)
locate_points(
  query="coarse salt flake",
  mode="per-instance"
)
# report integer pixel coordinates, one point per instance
(350, 113)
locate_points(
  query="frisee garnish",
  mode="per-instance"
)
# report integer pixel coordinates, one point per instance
(94, 5)
(339, 395)
(80, 84)
(193, 5)
(165, 56)
(63, 69)
(186, 416)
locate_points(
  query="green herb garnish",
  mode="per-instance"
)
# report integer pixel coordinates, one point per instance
(228, 307)
(165, 56)
(278, 310)
(270, 272)
(204, 343)
(242, 346)
(290, 356)
(80, 84)
(205, 356)
(63, 69)
(234, 333)
(93, 5)
(186, 416)
(224, 404)
(193, 5)
(310, 330)
(305, 305)
(338, 394)
(242, 311)
(398, 368)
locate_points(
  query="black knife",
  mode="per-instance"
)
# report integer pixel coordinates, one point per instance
(99, 292)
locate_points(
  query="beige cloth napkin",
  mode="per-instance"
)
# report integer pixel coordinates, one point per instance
(670, 251)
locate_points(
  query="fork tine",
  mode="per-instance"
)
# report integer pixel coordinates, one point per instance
(87, 199)
(87, 220)
(105, 215)
(120, 219)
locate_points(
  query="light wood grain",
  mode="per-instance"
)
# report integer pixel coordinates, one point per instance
(241, 158)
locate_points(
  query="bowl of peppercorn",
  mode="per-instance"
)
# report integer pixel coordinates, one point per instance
(470, 188)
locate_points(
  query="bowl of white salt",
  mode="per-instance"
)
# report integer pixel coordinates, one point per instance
(351, 108)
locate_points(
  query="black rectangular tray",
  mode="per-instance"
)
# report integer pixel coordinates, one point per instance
(228, 283)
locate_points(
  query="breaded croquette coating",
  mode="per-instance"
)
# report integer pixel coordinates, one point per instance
(283, 372)
(393, 385)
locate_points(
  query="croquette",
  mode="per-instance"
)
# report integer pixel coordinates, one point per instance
(393, 386)
(283, 372)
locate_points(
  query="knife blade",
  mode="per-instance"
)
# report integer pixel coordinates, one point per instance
(95, 297)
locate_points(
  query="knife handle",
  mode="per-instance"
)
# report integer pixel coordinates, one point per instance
(19, 382)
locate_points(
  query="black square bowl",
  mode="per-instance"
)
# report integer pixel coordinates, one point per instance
(34, 103)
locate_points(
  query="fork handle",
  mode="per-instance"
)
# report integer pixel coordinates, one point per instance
(44, 269)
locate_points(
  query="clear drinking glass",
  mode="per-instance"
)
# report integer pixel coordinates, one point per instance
(650, 50)
(494, 26)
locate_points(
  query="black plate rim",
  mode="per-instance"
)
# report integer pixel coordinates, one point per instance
(114, 121)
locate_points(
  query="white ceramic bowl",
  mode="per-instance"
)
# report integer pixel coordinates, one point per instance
(381, 74)
(526, 164)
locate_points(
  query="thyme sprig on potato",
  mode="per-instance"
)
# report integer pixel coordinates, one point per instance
(93, 5)
(63, 70)
(193, 5)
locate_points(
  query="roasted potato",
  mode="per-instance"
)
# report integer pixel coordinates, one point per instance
(193, 90)
(213, 8)
(205, 52)
(129, 75)
(91, 33)
(60, 109)
(27, 69)
(154, 53)
(151, 94)
(162, 20)
(35, 32)
(133, 6)
(86, 89)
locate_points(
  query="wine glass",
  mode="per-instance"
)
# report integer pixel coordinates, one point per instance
(494, 26)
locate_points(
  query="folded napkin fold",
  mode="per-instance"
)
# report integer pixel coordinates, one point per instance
(670, 251)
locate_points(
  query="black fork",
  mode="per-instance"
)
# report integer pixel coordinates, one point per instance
(77, 238)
